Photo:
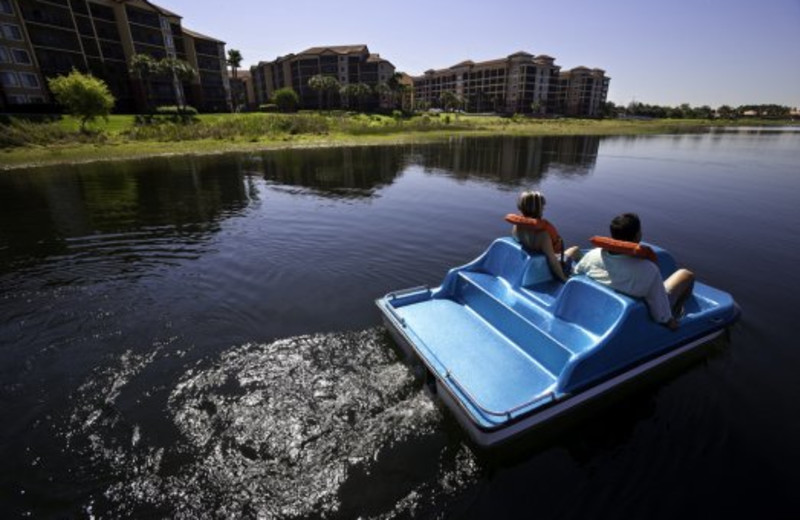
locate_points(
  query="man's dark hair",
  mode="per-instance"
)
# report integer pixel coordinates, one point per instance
(625, 227)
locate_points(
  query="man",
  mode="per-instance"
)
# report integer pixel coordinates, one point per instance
(638, 277)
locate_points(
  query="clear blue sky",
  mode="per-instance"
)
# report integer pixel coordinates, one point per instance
(667, 52)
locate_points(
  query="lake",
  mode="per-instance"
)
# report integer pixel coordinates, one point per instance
(197, 337)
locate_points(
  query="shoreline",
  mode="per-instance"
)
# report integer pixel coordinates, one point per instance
(29, 157)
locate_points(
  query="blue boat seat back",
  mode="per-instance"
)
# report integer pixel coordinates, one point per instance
(507, 259)
(666, 263)
(590, 305)
(536, 271)
(504, 260)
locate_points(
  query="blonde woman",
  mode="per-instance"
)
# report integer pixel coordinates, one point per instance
(537, 234)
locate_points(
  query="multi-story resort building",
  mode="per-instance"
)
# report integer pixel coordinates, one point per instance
(581, 92)
(512, 84)
(348, 64)
(40, 39)
(520, 83)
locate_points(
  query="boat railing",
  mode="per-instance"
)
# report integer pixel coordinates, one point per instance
(549, 396)
(404, 292)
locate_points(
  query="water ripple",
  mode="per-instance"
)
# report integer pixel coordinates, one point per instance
(326, 425)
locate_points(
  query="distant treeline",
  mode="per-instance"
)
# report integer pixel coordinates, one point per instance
(686, 111)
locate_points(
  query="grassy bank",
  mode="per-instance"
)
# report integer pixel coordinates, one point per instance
(28, 144)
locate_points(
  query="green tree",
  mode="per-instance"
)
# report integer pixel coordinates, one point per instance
(362, 93)
(384, 93)
(348, 94)
(609, 109)
(327, 85)
(234, 60)
(317, 84)
(83, 96)
(358, 92)
(286, 99)
(450, 100)
(396, 88)
(726, 112)
(143, 67)
(180, 71)
(704, 112)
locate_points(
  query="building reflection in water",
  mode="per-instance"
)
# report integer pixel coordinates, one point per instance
(131, 208)
(509, 160)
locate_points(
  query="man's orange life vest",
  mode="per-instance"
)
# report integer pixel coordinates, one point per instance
(626, 248)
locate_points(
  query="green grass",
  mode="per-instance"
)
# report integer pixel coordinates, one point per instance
(28, 144)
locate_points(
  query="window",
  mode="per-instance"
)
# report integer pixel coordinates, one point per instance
(36, 99)
(17, 99)
(29, 80)
(11, 32)
(5, 57)
(21, 56)
(9, 79)
(5, 7)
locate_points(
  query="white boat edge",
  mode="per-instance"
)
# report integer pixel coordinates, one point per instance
(492, 438)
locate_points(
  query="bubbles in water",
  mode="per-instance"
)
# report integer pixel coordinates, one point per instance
(326, 425)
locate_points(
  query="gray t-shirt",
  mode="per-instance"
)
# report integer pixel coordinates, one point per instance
(635, 277)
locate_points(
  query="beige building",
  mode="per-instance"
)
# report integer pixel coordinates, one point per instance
(519, 83)
(242, 92)
(582, 92)
(45, 38)
(348, 64)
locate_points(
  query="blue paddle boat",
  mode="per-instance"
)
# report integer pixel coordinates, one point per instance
(510, 348)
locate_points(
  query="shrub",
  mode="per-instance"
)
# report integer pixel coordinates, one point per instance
(249, 127)
(175, 110)
(82, 95)
(286, 99)
(19, 132)
(268, 107)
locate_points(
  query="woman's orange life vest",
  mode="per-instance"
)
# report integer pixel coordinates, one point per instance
(626, 248)
(538, 224)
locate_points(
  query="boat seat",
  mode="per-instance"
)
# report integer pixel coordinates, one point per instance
(590, 305)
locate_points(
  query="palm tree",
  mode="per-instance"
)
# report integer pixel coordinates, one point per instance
(348, 94)
(144, 67)
(330, 85)
(317, 83)
(234, 60)
(396, 87)
(362, 92)
(384, 91)
(327, 85)
(450, 100)
(181, 71)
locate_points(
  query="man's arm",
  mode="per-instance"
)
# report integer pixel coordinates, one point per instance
(658, 301)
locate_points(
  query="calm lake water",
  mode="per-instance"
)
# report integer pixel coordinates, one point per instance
(196, 337)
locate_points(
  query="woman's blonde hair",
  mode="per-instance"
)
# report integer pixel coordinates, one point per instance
(531, 204)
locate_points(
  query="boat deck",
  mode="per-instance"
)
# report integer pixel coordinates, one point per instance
(500, 376)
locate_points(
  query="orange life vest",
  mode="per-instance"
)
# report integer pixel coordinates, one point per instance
(626, 248)
(538, 224)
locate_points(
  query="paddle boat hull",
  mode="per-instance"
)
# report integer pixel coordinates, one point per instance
(508, 348)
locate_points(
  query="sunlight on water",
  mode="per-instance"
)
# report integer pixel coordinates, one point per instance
(314, 425)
